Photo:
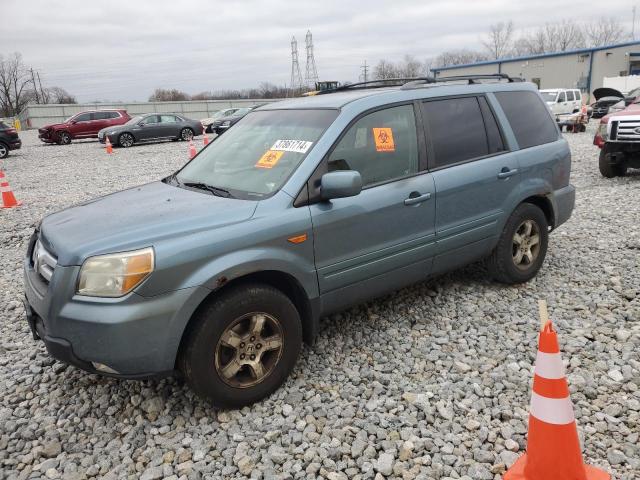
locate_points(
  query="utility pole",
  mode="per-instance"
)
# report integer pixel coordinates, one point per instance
(311, 75)
(296, 76)
(44, 96)
(365, 71)
(35, 86)
(633, 23)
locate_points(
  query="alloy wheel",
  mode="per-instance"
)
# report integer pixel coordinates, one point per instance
(526, 244)
(126, 140)
(4, 151)
(186, 134)
(249, 349)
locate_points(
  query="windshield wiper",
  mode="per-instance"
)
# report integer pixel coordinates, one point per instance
(217, 191)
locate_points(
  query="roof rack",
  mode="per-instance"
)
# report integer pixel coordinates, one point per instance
(416, 82)
(381, 83)
(471, 79)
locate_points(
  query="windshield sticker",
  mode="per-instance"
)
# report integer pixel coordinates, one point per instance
(297, 146)
(269, 159)
(384, 140)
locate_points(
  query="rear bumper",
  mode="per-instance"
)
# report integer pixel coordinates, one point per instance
(563, 201)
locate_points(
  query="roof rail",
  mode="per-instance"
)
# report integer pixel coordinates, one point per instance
(380, 83)
(471, 79)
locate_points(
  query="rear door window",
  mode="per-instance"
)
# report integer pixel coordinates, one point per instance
(168, 119)
(455, 128)
(570, 96)
(529, 118)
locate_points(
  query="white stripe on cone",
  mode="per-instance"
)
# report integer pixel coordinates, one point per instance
(557, 411)
(549, 365)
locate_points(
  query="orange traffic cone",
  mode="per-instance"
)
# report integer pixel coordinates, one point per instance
(205, 139)
(8, 199)
(109, 146)
(553, 447)
(192, 149)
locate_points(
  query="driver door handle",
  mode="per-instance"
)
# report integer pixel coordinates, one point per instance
(416, 197)
(506, 173)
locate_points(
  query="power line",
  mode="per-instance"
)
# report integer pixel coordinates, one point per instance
(365, 71)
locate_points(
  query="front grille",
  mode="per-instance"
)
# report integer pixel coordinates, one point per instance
(43, 261)
(625, 130)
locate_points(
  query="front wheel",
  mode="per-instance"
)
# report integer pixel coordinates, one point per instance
(126, 140)
(186, 134)
(522, 246)
(64, 138)
(608, 169)
(242, 345)
(4, 150)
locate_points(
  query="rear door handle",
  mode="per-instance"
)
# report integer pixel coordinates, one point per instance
(506, 173)
(416, 197)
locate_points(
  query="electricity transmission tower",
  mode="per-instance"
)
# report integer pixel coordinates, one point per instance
(311, 75)
(296, 77)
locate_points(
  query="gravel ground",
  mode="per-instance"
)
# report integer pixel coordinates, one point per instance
(430, 382)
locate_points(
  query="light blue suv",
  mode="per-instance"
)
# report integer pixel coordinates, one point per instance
(303, 208)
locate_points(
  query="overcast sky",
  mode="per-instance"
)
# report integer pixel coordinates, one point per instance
(123, 50)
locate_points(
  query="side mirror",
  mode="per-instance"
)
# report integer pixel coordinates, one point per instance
(340, 184)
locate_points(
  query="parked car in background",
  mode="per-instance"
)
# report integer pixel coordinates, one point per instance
(303, 208)
(562, 100)
(9, 139)
(221, 125)
(207, 122)
(610, 100)
(618, 137)
(151, 127)
(82, 125)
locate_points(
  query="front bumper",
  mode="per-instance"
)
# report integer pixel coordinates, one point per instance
(135, 336)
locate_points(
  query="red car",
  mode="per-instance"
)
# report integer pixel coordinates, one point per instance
(82, 125)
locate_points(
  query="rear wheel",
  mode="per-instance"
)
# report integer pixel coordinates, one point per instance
(64, 138)
(609, 170)
(242, 345)
(4, 150)
(186, 134)
(126, 140)
(522, 246)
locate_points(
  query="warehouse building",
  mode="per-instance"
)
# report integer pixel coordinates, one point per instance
(584, 68)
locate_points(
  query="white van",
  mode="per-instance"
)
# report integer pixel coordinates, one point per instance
(562, 100)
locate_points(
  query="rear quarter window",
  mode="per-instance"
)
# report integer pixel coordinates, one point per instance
(529, 118)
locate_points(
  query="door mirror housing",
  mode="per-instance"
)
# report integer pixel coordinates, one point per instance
(340, 184)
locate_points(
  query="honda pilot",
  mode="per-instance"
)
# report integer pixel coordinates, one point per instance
(306, 206)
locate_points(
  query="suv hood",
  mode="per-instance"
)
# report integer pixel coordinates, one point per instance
(136, 218)
(602, 92)
(54, 126)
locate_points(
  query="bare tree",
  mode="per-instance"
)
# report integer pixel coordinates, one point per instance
(411, 68)
(562, 36)
(458, 57)
(604, 31)
(385, 69)
(58, 95)
(168, 95)
(14, 83)
(499, 39)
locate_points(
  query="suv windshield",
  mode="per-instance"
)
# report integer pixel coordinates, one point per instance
(256, 156)
(549, 96)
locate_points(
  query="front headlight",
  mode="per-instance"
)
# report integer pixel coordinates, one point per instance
(602, 131)
(116, 274)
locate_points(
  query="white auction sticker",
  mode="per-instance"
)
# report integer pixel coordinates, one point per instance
(298, 146)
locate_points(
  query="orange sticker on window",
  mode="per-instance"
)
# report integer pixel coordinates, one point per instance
(269, 159)
(384, 140)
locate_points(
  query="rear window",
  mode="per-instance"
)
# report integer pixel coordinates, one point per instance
(529, 118)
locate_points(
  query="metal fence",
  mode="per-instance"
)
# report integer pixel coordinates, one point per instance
(36, 116)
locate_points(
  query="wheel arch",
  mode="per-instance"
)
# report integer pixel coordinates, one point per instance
(543, 203)
(282, 281)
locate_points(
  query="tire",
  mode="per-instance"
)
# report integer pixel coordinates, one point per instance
(515, 262)
(609, 170)
(64, 138)
(229, 376)
(186, 134)
(4, 150)
(126, 140)
(208, 129)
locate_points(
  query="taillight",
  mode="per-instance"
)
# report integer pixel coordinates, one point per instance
(11, 130)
